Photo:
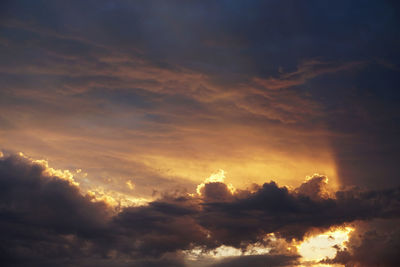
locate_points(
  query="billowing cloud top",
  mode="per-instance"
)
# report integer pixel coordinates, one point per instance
(46, 220)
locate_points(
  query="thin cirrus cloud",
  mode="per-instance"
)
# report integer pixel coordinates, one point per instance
(157, 116)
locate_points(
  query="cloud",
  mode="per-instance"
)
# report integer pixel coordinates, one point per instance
(305, 71)
(185, 88)
(45, 219)
(80, 74)
(315, 187)
(374, 243)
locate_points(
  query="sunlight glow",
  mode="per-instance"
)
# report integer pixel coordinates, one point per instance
(116, 199)
(217, 177)
(63, 174)
(227, 251)
(96, 193)
(319, 247)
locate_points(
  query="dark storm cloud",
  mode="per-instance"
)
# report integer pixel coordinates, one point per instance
(274, 209)
(41, 216)
(216, 192)
(27, 192)
(372, 244)
(46, 220)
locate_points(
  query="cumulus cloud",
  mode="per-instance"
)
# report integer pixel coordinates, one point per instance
(376, 243)
(45, 220)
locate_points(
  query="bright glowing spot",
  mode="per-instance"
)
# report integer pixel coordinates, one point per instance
(116, 199)
(218, 177)
(96, 193)
(310, 177)
(320, 246)
(99, 195)
(130, 184)
(226, 251)
(63, 174)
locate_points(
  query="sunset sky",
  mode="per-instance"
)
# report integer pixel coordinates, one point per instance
(199, 133)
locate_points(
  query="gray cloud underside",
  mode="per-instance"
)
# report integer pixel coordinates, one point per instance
(46, 221)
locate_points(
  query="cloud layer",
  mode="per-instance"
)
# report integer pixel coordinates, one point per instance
(158, 86)
(45, 220)
(143, 100)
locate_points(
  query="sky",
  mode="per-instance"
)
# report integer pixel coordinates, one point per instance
(199, 133)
